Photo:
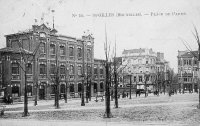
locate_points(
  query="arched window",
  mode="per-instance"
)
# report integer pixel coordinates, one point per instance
(71, 88)
(53, 90)
(101, 87)
(71, 69)
(62, 88)
(29, 90)
(95, 87)
(15, 91)
(71, 51)
(79, 87)
(62, 50)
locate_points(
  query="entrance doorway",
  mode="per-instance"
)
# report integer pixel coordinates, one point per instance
(42, 92)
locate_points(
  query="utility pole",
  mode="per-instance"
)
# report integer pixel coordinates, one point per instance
(130, 85)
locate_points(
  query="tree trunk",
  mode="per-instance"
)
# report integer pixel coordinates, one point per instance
(108, 112)
(25, 95)
(116, 85)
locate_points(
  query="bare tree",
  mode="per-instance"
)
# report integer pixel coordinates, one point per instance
(197, 38)
(108, 82)
(27, 57)
(56, 79)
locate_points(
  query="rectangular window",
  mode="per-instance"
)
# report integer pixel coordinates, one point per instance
(79, 70)
(101, 70)
(88, 54)
(79, 52)
(62, 69)
(190, 62)
(42, 47)
(62, 50)
(52, 69)
(89, 70)
(184, 62)
(42, 69)
(15, 68)
(95, 71)
(52, 49)
(185, 79)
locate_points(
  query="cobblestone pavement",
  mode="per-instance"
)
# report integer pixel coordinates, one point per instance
(180, 109)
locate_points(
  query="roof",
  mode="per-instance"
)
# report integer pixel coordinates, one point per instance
(188, 54)
(133, 51)
(12, 50)
(20, 32)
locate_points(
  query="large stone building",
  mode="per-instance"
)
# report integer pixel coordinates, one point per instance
(187, 71)
(145, 67)
(47, 51)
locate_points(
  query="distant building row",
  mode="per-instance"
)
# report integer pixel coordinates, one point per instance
(145, 68)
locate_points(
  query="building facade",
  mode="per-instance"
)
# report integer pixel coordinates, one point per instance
(72, 56)
(187, 71)
(146, 68)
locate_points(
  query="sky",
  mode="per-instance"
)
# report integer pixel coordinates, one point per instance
(157, 24)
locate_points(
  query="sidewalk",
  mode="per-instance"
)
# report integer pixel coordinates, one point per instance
(16, 122)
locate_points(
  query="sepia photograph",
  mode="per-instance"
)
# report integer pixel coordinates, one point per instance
(99, 62)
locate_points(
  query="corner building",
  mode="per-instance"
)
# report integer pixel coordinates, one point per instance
(188, 71)
(72, 56)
